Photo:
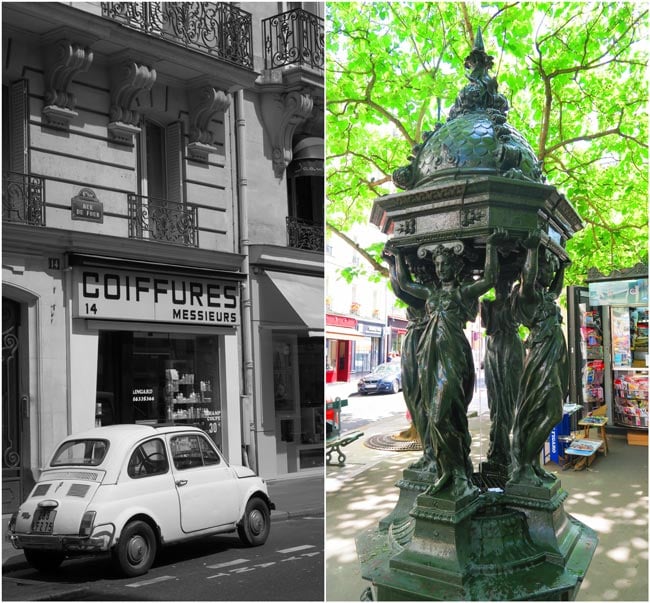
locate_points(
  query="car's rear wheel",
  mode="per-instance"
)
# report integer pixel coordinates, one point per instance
(136, 549)
(44, 561)
(395, 386)
(255, 526)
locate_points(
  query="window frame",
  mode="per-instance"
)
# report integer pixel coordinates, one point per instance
(139, 448)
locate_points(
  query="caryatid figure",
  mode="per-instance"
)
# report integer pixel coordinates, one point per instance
(545, 379)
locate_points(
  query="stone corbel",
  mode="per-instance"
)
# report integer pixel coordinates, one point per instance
(128, 80)
(63, 60)
(205, 104)
(281, 115)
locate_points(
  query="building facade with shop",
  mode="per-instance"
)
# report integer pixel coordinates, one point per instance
(357, 315)
(162, 207)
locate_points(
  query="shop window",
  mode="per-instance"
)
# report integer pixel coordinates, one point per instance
(299, 398)
(152, 378)
(148, 459)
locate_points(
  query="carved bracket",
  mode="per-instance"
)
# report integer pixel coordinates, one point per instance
(281, 115)
(128, 80)
(205, 104)
(456, 246)
(63, 60)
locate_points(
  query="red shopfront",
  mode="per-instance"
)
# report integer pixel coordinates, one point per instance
(340, 333)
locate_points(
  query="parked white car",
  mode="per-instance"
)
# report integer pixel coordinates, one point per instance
(129, 489)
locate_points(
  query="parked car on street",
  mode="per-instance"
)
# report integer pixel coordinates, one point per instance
(128, 489)
(385, 378)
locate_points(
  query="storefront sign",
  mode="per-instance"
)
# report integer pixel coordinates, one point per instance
(371, 330)
(334, 320)
(121, 295)
(619, 293)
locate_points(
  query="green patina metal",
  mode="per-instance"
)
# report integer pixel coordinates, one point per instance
(476, 213)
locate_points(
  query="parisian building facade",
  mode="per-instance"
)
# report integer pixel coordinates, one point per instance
(162, 232)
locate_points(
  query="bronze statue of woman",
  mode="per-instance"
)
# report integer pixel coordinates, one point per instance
(545, 378)
(504, 361)
(417, 318)
(445, 362)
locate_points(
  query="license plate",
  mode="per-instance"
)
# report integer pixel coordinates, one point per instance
(371, 385)
(43, 521)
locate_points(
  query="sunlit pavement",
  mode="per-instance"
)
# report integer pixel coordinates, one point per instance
(611, 496)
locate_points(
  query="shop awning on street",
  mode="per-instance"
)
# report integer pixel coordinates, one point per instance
(343, 334)
(304, 294)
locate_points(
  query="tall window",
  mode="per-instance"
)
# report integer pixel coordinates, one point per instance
(306, 195)
(164, 214)
(155, 177)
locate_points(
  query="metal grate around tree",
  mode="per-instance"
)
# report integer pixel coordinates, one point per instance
(163, 221)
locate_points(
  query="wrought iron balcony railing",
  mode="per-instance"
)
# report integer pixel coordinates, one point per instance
(23, 199)
(304, 234)
(294, 37)
(218, 29)
(163, 220)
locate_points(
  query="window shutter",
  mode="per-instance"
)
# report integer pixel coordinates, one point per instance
(18, 128)
(174, 159)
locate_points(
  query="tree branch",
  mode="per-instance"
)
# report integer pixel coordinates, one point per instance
(378, 267)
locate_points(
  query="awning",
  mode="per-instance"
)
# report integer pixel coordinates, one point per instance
(344, 334)
(304, 294)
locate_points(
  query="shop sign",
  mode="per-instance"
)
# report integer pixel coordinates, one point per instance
(333, 320)
(86, 206)
(101, 293)
(619, 293)
(372, 330)
(140, 395)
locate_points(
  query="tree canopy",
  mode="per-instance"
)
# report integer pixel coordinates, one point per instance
(574, 74)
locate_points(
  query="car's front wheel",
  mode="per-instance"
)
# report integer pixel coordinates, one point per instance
(44, 561)
(254, 528)
(136, 549)
(395, 386)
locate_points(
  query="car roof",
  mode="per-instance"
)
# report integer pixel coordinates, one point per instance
(123, 437)
(129, 431)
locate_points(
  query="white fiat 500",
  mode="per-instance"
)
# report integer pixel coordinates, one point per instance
(128, 489)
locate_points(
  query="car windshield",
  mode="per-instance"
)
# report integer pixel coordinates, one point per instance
(80, 452)
(386, 369)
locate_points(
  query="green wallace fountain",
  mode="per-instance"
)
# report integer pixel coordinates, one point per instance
(476, 214)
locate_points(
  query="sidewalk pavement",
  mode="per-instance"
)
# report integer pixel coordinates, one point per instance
(294, 497)
(611, 497)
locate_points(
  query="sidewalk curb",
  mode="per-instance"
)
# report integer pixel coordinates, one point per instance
(63, 594)
(285, 515)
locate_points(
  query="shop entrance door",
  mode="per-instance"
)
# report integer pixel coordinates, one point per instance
(343, 368)
(15, 409)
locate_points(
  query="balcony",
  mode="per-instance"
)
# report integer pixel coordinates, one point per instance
(304, 234)
(217, 29)
(23, 199)
(163, 220)
(295, 37)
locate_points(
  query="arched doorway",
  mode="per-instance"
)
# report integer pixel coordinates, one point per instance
(15, 408)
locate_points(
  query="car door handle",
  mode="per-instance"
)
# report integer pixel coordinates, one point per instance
(181, 482)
